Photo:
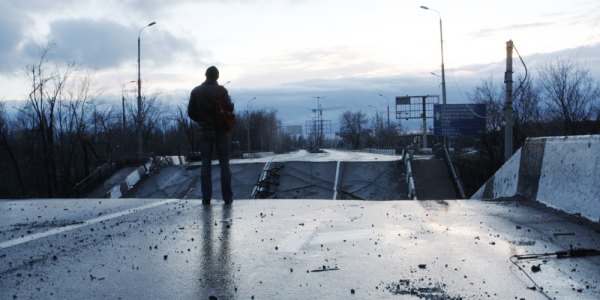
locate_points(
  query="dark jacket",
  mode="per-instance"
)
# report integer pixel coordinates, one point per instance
(201, 107)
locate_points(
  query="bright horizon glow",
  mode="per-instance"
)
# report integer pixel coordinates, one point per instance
(290, 46)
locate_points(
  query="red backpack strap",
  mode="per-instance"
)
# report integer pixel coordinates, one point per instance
(221, 91)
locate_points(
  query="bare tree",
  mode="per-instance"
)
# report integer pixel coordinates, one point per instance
(47, 88)
(383, 134)
(526, 103)
(492, 96)
(353, 128)
(569, 92)
(57, 127)
(529, 112)
(77, 128)
(190, 129)
(377, 130)
(6, 144)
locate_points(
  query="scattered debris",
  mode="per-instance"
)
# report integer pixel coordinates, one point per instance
(563, 233)
(432, 291)
(324, 269)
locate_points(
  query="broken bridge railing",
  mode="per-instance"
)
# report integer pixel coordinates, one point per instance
(268, 177)
(407, 156)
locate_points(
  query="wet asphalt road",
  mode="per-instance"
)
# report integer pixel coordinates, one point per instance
(291, 249)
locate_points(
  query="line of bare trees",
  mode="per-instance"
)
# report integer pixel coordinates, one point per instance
(65, 130)
(357, 131)
(561, 98)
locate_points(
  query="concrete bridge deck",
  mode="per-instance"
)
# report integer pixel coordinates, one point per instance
(292, 249)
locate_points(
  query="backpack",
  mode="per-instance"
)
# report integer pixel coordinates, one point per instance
(225, 118)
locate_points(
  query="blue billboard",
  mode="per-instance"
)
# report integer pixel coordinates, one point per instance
(458, 119)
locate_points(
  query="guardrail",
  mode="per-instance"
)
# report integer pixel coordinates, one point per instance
(88, 183)
(455, 179)
(381, 151)
(407, 158)
(257, 154)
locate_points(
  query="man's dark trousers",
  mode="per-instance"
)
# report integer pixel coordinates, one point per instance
(220, 141)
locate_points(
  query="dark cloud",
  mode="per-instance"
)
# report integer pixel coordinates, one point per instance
(587, 57)
(96, 43)
(12, 27)
(164, 48)
(105, 44)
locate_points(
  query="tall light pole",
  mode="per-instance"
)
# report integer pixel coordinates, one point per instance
(123, 100)
(139, 98)
(376, 114)
(442, 48)
(508, 111)
(388, 108)
(123, 138)
(319, 121)
(248, 117)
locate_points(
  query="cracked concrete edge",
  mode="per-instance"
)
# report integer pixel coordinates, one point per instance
(134, 177)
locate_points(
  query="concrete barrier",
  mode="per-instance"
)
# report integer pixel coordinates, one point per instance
(134, 177)
(561, 172)
(130, 181)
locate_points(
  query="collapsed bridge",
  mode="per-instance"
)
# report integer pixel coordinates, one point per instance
(332, 174)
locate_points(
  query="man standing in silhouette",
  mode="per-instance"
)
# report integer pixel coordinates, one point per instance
(202, 109)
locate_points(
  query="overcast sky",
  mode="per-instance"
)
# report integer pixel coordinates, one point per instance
(285, 51)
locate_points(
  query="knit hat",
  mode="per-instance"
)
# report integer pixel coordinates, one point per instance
(212, 73)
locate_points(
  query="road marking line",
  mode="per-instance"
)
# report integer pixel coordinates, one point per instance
(335, 185)
(53, 231)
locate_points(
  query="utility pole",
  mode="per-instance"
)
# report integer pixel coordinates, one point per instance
(248, 119)
(139, 120)
(508, 112)
(388, 108)
(443, 71)
(319, 120)
(424, 114)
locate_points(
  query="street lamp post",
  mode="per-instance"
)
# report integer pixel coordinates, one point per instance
(123, 138)
(248, 117)
(445, 140)
(123, 100)
(139, 97)
(442, 50)
(377, 128)
(388, 108)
